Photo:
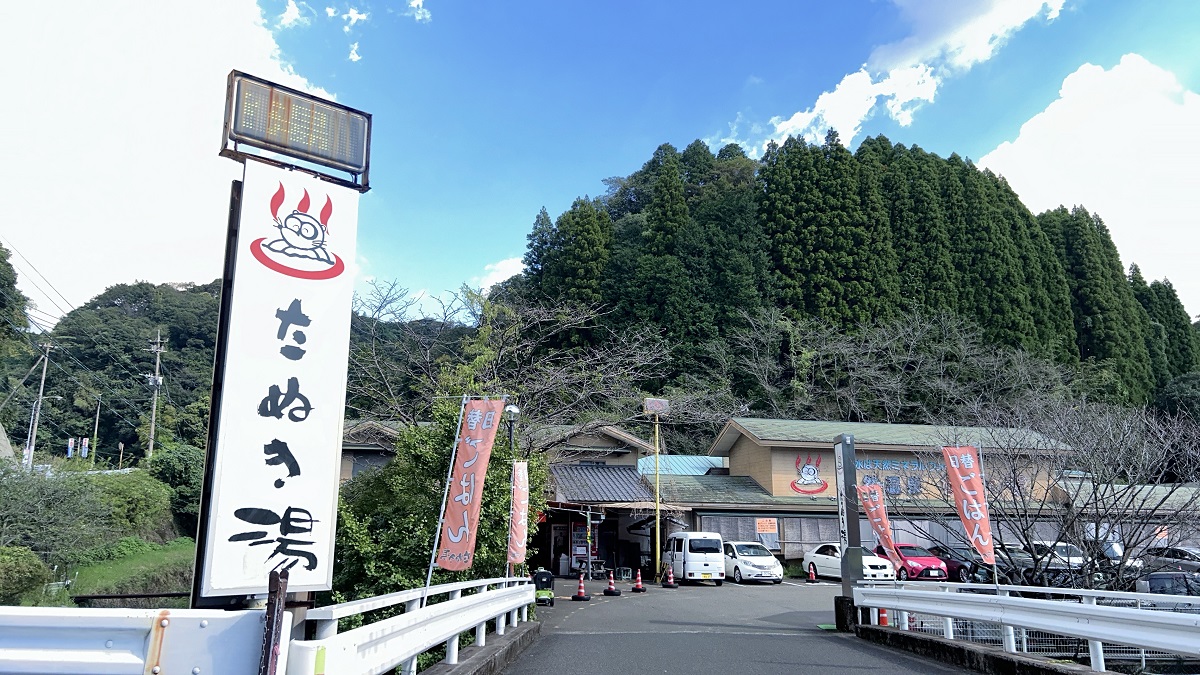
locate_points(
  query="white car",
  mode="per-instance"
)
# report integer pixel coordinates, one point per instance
(825, 560)
(751, 561)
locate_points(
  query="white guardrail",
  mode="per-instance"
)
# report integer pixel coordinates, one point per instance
(399, 640)
(45, 640)
(1164, 623)
(87, 641)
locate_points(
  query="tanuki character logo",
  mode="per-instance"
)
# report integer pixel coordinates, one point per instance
(809, 481)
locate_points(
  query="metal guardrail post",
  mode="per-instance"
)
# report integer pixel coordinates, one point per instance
(481, 634)
(1024, 640)
(1006, 633)
(326, 628)
(1141, 650)
(1095, 647)
(947, 621)
(902, 618)
(525, 613)
(452, 643)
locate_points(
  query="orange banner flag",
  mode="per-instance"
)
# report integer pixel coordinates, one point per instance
(461, 520)
(966, 480)
(871, 499)
(518, 528)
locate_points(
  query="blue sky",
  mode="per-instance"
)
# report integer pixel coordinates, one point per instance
(485, 112)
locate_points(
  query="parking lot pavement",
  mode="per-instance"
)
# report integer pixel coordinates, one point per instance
(753, 629)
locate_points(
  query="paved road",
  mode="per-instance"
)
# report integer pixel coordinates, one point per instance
(698, 630)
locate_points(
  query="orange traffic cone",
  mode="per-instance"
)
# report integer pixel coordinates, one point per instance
(670, 582)
(883, 617)
(812, 574)
(612, 588)
(582, 594)
(638, 587)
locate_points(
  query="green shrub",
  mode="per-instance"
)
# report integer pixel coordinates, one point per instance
(182, 468)
(140, 505)
(121, 548)
(21, 571)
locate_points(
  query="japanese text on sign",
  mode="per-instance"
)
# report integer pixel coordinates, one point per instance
(518, 531)
(966, 483)
(456, 548)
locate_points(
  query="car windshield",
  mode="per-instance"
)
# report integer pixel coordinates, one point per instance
(1068, 550)
(704, 545)
(962, 553)
(752, 550)
(914, 551)
(1175, 584)
(1192, 553)
(1012, 552)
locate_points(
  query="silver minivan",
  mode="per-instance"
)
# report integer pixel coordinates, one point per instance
(695, 556)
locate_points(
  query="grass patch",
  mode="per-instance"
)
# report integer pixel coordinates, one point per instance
(145, 572)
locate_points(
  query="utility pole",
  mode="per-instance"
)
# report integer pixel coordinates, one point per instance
(156, 382)
(96, 432)
(31, 439)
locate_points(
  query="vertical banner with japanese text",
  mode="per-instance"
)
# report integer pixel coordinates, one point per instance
(871, 499)
(518, 529)
(460, 524)
(966, 480)
(276, 460)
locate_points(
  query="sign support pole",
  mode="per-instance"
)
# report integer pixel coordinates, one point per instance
(850, 536)
(657, 508)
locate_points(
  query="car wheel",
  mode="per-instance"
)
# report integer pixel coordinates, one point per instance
(720, 581)
(777, 581)
(964, 574)
(902, 574)
(737, 575)
(551, 602)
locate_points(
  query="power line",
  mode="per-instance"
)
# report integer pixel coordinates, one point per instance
(39, 273)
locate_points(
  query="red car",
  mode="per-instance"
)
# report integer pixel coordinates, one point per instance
(916, 562)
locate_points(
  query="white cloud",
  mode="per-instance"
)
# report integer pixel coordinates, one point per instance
(416, 9)
(352, 17)
(1123, 143)
(136, 189)
(293, 15)
(948, 37)
(496, 272)
(354, 56)
(330, 12)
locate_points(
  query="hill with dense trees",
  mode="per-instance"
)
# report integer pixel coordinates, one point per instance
(697, 244)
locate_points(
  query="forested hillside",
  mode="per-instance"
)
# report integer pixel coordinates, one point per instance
(887, 284)
(698, 244)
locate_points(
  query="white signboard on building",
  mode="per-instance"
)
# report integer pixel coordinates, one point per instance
(279, 433)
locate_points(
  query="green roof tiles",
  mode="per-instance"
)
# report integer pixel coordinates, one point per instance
(774, 431)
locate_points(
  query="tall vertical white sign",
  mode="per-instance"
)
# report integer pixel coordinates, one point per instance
(279, 433)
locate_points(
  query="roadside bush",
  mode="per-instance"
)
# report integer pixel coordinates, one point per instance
(182, 469)
(121, 548)
(140, 505)
(21, 570)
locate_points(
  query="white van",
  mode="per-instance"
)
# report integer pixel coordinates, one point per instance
(694, 556)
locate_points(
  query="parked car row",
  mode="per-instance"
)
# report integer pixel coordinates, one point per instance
(1045, 563)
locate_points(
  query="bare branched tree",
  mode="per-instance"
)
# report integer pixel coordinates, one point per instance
(530, 350)
(916, 368)
(1075, 472)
